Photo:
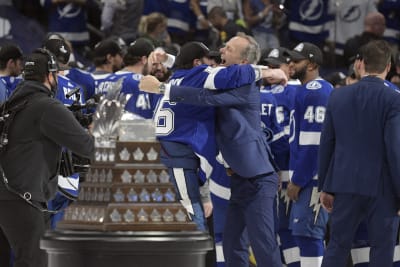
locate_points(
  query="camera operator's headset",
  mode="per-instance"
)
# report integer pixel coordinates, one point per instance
(52, 68)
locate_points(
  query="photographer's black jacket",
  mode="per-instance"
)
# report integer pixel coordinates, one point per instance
(36, 136)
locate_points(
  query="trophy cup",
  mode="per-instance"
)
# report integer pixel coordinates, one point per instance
(126, 187)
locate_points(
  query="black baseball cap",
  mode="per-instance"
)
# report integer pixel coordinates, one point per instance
(10, 51)
(306, 51)
(190, 51)
(59, 48)
(40, 62)
(276, 57)
(140, 47)
(108, 46)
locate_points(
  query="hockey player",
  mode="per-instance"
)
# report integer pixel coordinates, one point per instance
(68, 185)
(245, 150)
(136, 64)
(307, 220)
(284, 97)
(10, 66)
(108, 58)
(166, 120)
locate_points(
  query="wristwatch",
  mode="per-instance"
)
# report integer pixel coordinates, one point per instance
(161, 88)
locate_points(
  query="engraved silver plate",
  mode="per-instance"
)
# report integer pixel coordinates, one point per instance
(111, 155)
(115, 216)
(124, 154)
(107, 195)
(155, 216)
(169, 195)
(138, 154)
(102, 176)
(142, 216)
(180, 216)
(104, 155)
(132, 195)
(139, 177)
(144, 195)
(109, 177)
(119, 196)
(163, 177)
(152, 154)
(88, 175)
(95, 176)
(151, 177)
(129, 216)
(97, 155)
(157, 196)
(100, 194)
(168, 216)
(126, 177)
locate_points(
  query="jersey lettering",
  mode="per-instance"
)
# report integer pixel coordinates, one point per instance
(280, 115)
(143, 102)
(164, 119)
(315, 114)
(266, 109)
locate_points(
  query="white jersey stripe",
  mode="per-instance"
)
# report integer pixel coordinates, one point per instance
(311, 261)
(360, 255)
(219, 190)
(70, 183)
(309, 138)
(219, 252)
(209, 83)
(291, 255)
(182, 187)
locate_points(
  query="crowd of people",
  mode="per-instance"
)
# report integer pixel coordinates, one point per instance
(278, 118)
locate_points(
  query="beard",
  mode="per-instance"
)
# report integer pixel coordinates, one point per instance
(300, 74)
(162, 76)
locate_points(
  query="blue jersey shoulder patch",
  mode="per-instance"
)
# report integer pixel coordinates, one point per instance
(314, 85)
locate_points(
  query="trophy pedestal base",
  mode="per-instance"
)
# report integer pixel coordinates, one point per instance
(122, 249)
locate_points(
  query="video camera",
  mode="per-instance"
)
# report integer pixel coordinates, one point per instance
(82, 112)
(71, 163)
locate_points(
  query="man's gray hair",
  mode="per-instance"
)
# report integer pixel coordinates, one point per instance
(252, 52)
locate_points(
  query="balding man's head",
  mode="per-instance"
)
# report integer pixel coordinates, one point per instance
(375, 23)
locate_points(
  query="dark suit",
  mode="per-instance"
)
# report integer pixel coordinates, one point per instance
(254, 182)
(360, 164)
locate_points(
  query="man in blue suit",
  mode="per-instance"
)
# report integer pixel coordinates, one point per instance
(243, 145)
(359, 162)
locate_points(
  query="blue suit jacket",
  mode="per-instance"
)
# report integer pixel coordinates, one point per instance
(360, 141)
(238, 125)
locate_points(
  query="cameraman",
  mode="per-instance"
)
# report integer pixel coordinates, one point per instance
(71, 95)
(31, 158)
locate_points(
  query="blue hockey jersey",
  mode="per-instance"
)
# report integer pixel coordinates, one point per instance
(309, 20)
(278, 140)
(11, 83)
(68, 19)
(140, 103)
(284, 96)
(65, 85)
(305, 130)
(194, 125)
